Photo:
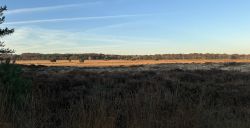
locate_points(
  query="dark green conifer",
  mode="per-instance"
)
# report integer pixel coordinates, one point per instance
(4, 32)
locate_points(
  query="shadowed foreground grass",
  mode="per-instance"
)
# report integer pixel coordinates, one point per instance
(141, 99)
(15, 97)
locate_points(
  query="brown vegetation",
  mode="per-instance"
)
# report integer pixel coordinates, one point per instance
(138, 99)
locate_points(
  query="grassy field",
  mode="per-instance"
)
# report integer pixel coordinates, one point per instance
(104, 63)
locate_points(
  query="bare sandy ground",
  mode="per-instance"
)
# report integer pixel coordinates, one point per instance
(108, 63)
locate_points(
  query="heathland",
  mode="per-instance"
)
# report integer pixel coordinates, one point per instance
(209, 95)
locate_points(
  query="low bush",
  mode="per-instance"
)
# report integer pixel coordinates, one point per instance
(233, 64)
(81, 60)
(14, 95)
(53, 60)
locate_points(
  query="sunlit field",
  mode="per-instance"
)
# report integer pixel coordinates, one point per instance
(103, 63)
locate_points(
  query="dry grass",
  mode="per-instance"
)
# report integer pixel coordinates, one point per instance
(107, 63)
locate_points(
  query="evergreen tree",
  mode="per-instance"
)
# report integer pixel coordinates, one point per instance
(4, 32)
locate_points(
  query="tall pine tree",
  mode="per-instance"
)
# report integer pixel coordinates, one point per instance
(4, 32)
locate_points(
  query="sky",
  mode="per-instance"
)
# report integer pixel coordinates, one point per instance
(128, 27)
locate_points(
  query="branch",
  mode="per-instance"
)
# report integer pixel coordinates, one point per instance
(2, 19)
(6, 51)
(3, 8)
(2, 44)
(5, 31)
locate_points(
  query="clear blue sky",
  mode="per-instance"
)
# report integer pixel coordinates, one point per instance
(129, 26)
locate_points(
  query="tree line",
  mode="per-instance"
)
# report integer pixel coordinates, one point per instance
(93, 56)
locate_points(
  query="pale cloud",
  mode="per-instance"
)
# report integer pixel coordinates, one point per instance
(54, 41)
(48, 8)
(38, 40)
(72, 19)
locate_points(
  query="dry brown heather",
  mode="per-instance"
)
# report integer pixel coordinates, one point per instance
(131, 98)
(101, 63)
(147, 99)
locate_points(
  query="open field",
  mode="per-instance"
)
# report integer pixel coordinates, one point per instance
(107, 63)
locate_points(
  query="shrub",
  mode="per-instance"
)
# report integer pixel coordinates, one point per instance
(14, 94)
(53, 60)
(133, 59)
(81, 60)
(232, 64)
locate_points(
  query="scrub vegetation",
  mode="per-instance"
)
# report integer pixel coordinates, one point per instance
(136, 99)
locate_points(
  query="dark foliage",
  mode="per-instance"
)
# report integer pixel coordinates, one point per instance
(4, 32)
(14, 94)
(53, 60)
(81, 60)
